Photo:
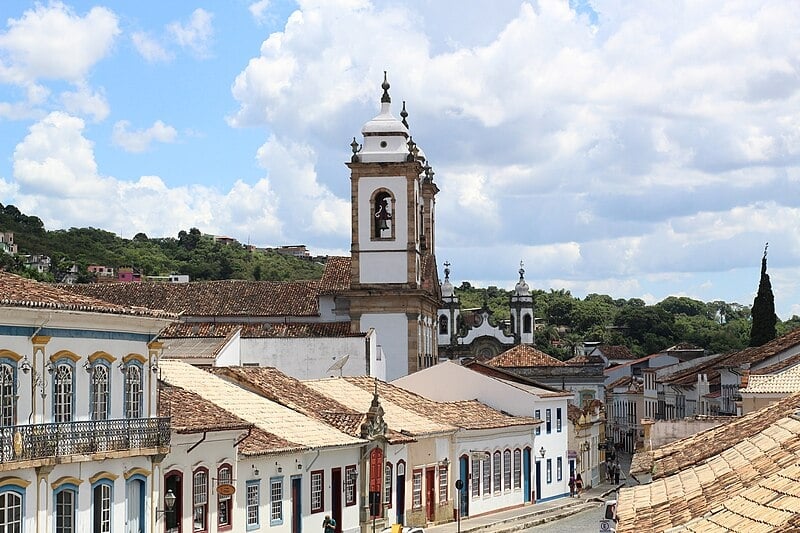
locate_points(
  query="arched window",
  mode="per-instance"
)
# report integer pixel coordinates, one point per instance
(387, 484)
(497, 472)
(8, 401)
(133, 390)
(513, 324)
(173, 481)
(507, 469)
(101, 507)
(200, 499)
(10, 511)
(526, 323)
(382, 215)
(62, 392)
(65, 500)
(443, 325)
(224, 501)
(99, 404)
(134, 501)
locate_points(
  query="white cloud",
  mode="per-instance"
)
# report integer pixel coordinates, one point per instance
(86, 102)
(196, 34)
(140, 140)
(258, 10)
(149, 48)
(56, 177)
(53, 42)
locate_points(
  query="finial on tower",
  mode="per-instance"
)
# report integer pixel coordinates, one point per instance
(385, 99)
(447, 270)
(521, 270)
(404, 114)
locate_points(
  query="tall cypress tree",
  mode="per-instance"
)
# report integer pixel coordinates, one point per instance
(763, 312)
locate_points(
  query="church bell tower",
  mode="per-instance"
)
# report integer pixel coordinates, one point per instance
(393, 280)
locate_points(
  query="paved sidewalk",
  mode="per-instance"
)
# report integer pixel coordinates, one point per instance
(528, 513)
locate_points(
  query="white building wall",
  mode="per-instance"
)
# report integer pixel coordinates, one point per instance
(366, 187)
(307, 358)
(393, 331)
(383, 267)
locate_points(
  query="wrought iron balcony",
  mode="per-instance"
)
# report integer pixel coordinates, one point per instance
(43, 441)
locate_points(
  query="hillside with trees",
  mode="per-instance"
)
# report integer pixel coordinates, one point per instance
(191, 253)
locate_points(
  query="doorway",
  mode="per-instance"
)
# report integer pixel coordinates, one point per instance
(538, 495)
(336, 497)
(430, 494)
(526, 474)
(463, 493)
(297, 508)
(400, 500)
(173, 481)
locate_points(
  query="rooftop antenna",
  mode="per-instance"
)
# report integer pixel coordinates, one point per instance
(338, 365)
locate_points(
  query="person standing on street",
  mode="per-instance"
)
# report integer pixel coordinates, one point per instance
(578, 485)
(571, 486)
(616, 472)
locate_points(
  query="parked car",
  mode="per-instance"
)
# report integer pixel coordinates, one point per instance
(608, 524)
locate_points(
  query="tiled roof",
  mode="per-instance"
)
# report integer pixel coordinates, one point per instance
(265, 414)
(584, 360)
(545, 391)
(613, 351)
(765, 351)
(211, 298)
(470, 414)
(683, 453)
(193, 348)
(774, 368)
(398, 418)
(260, 442)
(785, 382)
(274, 385)
(16, 291)
(260, 330)
(720, 485)
(336, 276)
(685, 374)
(190, 413)
(523, 355)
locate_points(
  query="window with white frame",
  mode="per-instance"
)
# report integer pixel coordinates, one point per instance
(416, 489)
(350, 475)
(548, 420)
(476, 477)
(224, 501)
(537, 414)
(387, 484)
(133, 390)
(486, 474)
(200, 500)
(559, 469)
(62, 393)
(317, 491)
(507, 469)
(497, 472)
(252, 502)
(558, 419)
(8, 398)
(99, 392)
(65, 510)
(442, 483)
(549, 470)
(517, 469)
(276, 501)
(10, 512)
(101, 508)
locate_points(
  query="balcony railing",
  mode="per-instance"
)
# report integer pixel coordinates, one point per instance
(42, 441)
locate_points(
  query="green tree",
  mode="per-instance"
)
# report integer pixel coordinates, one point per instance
(763, 312)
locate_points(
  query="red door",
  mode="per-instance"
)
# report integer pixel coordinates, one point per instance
(430, 494)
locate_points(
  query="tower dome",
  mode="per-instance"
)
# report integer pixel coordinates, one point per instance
(447, 287)
(522, 288)
(386, 138)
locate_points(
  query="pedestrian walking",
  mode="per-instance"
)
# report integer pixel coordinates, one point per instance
(616, 472)
(578, 485)
(328, 525)
(571, 486)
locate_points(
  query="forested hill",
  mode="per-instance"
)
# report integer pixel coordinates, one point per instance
(190, 253)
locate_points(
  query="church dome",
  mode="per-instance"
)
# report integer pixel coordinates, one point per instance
(386, 138)
(447, 287)
(522, 288)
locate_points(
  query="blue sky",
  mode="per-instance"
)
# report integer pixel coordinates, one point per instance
(630, 148)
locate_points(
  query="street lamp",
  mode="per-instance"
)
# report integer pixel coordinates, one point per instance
(169, 503)
(542, 451)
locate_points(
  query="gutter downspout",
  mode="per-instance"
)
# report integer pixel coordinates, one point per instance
(198, 443)
(238, 442)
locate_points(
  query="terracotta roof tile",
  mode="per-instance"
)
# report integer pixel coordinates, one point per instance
(190, 413)
(779, 366)
(193, 348)
(612, 351)
(273, 384)
(765, 351)
(260, 330)
(464, 414)
(336, 277)
(784, 382)
(261, 442)
(524, 355)
(683, 453)
(211, 298)
(753, 485)
(16, 291)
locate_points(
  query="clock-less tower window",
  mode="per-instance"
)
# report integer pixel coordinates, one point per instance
(382, 215)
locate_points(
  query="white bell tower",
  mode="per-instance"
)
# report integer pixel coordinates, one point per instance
(393, 273)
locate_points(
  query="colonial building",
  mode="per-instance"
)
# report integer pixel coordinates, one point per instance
(81, 436)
